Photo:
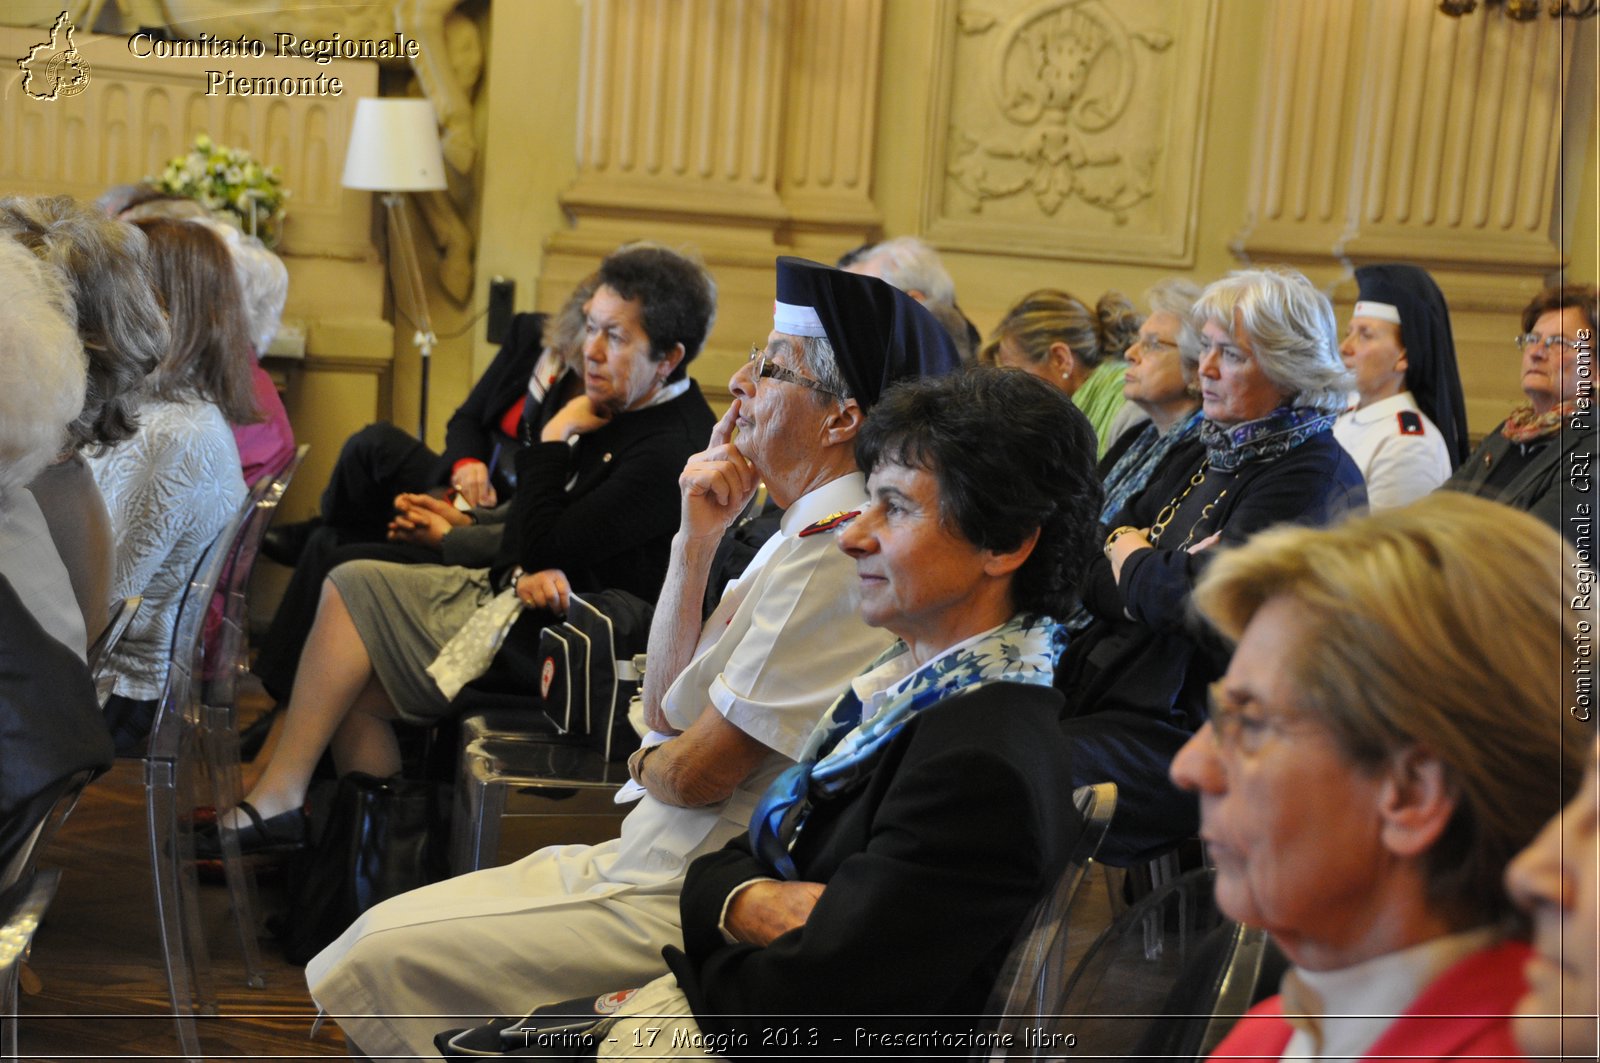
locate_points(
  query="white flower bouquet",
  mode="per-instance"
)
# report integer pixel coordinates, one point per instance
(230, 183)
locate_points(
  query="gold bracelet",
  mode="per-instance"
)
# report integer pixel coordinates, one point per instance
(1116, 534)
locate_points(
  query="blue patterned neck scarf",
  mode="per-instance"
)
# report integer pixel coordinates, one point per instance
(1132, 471)
(842, 750)
(1265, 438)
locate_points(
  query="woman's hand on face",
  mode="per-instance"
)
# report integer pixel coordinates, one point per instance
(764, 911)
(718, 482)
(578, 417)
(423, 520)
(547, 589)
(471, 479)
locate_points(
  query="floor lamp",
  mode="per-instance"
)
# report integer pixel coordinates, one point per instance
(394, 148)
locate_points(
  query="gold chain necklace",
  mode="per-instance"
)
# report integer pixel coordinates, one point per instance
(1170, 510)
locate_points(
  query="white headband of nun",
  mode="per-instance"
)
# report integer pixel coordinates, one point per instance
(1381, 311)
(803, 320)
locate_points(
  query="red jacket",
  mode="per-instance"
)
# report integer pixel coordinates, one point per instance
(1464, 1014)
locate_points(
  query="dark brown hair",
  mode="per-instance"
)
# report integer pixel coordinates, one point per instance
(1582, 296)
(209, 353)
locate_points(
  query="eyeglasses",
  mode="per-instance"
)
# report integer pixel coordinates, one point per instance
(1533, 339)
(1154, 346)
(767, 368)
(1241, 730)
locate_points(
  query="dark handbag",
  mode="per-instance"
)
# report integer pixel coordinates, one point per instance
(382, 838)
(569, 1030)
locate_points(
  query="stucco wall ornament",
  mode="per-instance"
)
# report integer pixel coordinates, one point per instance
(1061, 75)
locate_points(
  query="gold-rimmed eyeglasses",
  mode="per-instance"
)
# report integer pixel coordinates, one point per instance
(765, 367)
(1245, 728)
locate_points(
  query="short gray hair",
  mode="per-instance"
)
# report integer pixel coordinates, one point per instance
(1177, 297)
(816, 352)
(909, 264)
(42, 366)
(1291, 329)
(119, 318)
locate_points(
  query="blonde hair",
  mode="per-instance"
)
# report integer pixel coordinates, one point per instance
(1443, 625)
(1048, 316)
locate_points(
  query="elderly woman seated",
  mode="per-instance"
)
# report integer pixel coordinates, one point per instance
(41, 392)
(174, 486)
(1271, 383)
(1391, 730)
(931, 795)
(124, 334)
(1556, 880)
(1539, 458)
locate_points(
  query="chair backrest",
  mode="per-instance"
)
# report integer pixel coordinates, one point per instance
(121, 615)
(1029, 986)
(179, 699)
(1166, 979)
(99, 657)
(225, 636)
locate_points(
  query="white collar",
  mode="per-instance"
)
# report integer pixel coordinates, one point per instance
(892, 675)
(1383, 409)
(1339, 1015)
(848, 492)
(667, 393)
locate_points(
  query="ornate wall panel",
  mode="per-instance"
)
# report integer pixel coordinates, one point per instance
(1069, 128)
(748, 110)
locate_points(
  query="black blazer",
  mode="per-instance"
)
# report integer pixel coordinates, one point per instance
(930, 867)
(474, 429)
(604, 511)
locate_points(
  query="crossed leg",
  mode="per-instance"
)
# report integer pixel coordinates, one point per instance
(337, 703)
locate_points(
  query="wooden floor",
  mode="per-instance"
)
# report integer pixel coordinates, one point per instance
(104, 993)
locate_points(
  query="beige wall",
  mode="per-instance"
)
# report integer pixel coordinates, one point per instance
(533, 121)
(543, 218)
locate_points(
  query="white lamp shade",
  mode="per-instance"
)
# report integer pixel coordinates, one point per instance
(394, 147)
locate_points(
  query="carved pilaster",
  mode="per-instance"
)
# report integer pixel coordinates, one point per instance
(1390, 132)
(737, 127)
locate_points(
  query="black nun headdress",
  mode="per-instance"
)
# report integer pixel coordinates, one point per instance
(1408, 297)
(879, 333)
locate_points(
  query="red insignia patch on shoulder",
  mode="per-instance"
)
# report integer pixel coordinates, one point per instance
(1410, 423)
(829, 523)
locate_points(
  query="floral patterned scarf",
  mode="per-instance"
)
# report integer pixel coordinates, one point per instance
(1525, 426)
(842, 750)
(1230, 446)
